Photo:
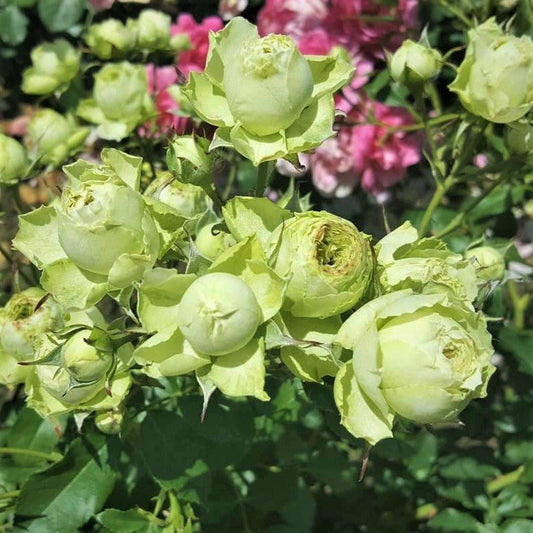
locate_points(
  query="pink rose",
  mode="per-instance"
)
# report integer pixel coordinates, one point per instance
(291, 17)
(381, 154)
(194, 59)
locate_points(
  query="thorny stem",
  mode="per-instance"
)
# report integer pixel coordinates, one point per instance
(52, 457)
(520, 304)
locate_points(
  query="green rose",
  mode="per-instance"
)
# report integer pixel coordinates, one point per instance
(424, 265)
(419, 356)
(153, 30)
(212, 242)
(14, 163)
(266, 98)
(54, 65)
(495, 79)
(120, 100)
(413, 64)
(54, 136)
(328, 262)
(99, 237)
(111, 39)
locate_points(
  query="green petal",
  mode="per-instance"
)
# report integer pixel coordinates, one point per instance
(127, 269)
(246, 216)
(114, 131)
(127, 167)
(159, 296)
(358, 415)
(225, 45)
(37, 237)
(329, 74)
(247, 260)
(313, 127)
(258, 148)
(208, 100)
(89, 111)
(241, 373)
(69, 287)
(386, 247)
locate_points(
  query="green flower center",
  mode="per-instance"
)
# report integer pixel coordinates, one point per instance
(264, 57)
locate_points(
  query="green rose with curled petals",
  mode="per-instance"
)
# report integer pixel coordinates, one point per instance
(14, 163)
(153, 30)
(423, 265)
(328, 262)
(419, 356)
(267, 99)
(495, 79)
(54, 136)
(488, 263)
(120, 100)
(98, 238)
(54, 65)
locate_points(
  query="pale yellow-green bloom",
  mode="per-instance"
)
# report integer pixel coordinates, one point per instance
(495, 79)
(153, 30)
(266, 98)
(419, 356)
(54, 65)
(111, 39)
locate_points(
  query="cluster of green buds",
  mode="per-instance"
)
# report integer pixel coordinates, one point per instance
(54, 66)
(150, 32)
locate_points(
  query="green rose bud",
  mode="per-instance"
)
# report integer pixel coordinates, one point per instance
(186, 199)
(98, 222)
(519, 137)
(212, 244)
(187, 157)
(422, 357)
(488, 262)
(423, 265)
(268, 100)
(88, 355)
(109, 422)
(219, 314)
(14, 162)
(23, 322)
(328, 262)
(120, 100)
(413, 64)
(57, 382)
(495, 80)
(54, 136)
(154, 30)
(54, 65)
(111, 39)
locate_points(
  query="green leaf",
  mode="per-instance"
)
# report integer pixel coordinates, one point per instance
(453, 520)
(129, 521)
(68, 494)
(13, 25)
(60, 15)
(31, 432)
(517, 525)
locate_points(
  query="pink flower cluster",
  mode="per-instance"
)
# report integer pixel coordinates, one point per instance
(375, 152)
(160, 78)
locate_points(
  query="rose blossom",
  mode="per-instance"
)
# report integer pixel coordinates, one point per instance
(194, 59)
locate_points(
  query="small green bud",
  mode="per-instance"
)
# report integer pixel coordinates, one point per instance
(519, 137)
(210, 244)
(187, 156)
(488, 262)
(218, 314)
(109, 422)
(88, 355)
(110, 39)
(413, 64)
